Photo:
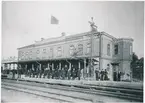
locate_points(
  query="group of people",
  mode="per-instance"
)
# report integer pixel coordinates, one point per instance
(62, 73)
(57, 73)
(101, 75)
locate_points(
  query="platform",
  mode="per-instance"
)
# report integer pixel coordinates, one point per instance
(115, 84)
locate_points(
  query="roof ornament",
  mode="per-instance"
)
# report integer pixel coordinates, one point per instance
(42, 39)
(63, 34)
(93, 26)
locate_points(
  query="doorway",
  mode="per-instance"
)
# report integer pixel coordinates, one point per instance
(116, 74)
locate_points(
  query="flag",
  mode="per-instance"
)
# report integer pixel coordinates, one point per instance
(54, 20)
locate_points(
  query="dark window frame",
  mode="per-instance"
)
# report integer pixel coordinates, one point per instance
(108, 50)
(116, 49)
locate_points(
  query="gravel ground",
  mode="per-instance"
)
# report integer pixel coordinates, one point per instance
(11, 96)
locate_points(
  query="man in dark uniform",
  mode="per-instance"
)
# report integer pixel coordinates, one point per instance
(115, 76)
(37, 72)
(119, 75)
(102, 74)
(69, 73)
(105, 75)
(73, 73)
(59, 73)
(48, 73)
(63, 73)
(97, 74)
(66, 69)
(13, 71)
(79, 73)
(53, 73)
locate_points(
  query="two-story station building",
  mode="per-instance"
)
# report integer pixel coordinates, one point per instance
(106, 52)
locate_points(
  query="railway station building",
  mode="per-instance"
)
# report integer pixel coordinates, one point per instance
(88, 52)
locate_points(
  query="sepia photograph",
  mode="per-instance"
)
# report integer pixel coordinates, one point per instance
(72, 51)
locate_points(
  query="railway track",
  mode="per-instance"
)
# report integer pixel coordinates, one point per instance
(67, 91)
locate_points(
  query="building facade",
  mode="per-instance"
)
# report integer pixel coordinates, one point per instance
(89, 51)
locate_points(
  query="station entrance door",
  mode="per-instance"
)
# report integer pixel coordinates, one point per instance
(115, 67)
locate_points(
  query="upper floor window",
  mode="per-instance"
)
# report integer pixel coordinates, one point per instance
(116, 49)
(30, 54)
(51, 52)
(26, 55)
(38, 51)
(44, 50)
(21, 55)
(108, 49)
(59, 51)
(88, 48)
(80, 49)
(72, 49)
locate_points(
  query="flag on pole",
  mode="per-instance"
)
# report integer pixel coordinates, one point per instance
(54, 20)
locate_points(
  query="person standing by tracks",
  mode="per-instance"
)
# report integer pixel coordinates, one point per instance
(63, 73)
(79, 73)
(73, 73)
(119, 75)
(59, 73)
(56, 72)
(105, 75)
(37, 72)
(97, 74)
(102, 75)
(69, 74)
(13, 71)
(53, 73)
(66, 71)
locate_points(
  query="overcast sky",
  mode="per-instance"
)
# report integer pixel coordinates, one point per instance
(23, 22)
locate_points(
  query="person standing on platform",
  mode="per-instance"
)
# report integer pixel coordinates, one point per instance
(48, 73)
(33, 72)
(105, 75)
(119, 75)
(79, 73)
(40, 72)
(65, 69)
(73, 73)
(45, 73)
(13, 71)
(69, 73)
(87, 71)
(59, 73)
(97, 74)
(37, 72)
(102, 74)
(19, 72)
(82, 76)
(63, 73)
(53, 73)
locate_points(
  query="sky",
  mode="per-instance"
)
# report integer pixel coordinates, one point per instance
(23, 22)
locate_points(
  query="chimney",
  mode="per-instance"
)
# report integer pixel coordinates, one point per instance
(63, 34)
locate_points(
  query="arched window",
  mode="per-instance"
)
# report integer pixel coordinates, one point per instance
(44, 50)
(71, 50)
(88, 48)
(21, 55)
(80, 49)
(116, 49)
(30, 54)
(59, 51)
(38, 51)
(26, 55)
(108, 49)
(51, 52)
